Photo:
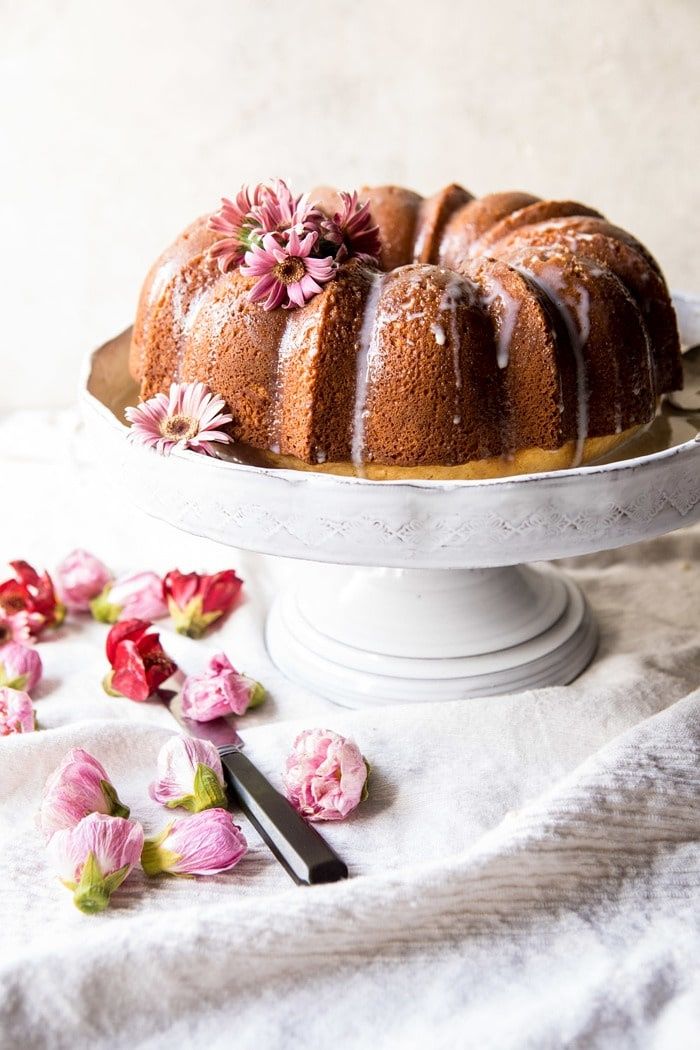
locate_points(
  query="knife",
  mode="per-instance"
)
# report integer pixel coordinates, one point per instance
(299, 848)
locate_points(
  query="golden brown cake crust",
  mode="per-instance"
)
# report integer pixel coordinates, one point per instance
(495, 329)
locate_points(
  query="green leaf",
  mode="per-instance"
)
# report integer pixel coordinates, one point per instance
(191, 621)
(91, 894)
(208, 792)
(102, 609)
(107, 684)
(154, 859)
(116, 808)
(114, 881)
(257, 696)
(186, 802)
(13, 683)
(365, 787)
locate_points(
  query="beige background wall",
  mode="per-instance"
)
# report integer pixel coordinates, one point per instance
(120, 120)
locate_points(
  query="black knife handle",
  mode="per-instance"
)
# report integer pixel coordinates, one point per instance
(296, 845)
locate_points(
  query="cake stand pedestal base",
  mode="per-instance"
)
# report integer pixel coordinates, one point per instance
(368, 636)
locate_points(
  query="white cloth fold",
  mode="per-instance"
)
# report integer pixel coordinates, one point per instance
(524, 874)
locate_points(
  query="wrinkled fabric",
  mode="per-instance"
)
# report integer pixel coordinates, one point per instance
(524, 874)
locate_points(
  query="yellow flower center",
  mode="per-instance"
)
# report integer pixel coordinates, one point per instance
(178, 427)
(290, 271)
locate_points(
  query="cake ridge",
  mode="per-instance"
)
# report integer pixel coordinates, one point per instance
(368, 330)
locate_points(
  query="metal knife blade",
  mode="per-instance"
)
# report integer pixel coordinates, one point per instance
(299, 848)
(219, 731)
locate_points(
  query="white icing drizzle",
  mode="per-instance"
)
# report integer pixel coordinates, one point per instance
(184, 314)
(508, 316)
(451, 298)
(178, 318)
(368, 333)
(439, 333)
(216, 320)
(551, 283)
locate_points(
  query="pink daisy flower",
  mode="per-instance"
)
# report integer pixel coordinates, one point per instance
(235, 219)
(281, 212)
(287, 276)
(188, 417)
(353, 231)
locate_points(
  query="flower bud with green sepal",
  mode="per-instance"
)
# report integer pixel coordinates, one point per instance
(190, 775)
(20, 667)
(203, 844)
(79, 786)
(95, 857)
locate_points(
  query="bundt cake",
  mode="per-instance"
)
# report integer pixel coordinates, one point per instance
(441, 337)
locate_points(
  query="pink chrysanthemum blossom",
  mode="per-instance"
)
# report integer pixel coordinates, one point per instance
(16, 712)
(237, 221)
(353, 231)
(287, 276)
(189, 417)
(280, 212)
(19, 627)
(326, 775)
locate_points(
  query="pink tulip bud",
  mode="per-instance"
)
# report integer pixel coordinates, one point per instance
(16, 712)
(203, 844)
(81, 577)
(135, 597)
(20, 667)
(189, 775)
(93, 858)
(219, 691)
(326, 775)
(78, 787)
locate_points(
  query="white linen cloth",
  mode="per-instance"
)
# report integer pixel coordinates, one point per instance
(524, 874)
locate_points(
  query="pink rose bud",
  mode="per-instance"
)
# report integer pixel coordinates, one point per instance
(93, 858)
(78, 787)
(189, 775)
(135, 597)
(16, 712)
(20, 667)
(203, 844)
(326, 775)
(219, 691)
(81, 577)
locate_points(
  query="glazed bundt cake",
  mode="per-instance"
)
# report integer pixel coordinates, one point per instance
(441, 337)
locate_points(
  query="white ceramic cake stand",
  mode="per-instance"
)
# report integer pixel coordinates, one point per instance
(421, 590)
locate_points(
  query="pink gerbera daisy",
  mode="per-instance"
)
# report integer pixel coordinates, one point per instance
(189, 417)
(280, 212)
(353, 231)
(235, 219)
(287, 276)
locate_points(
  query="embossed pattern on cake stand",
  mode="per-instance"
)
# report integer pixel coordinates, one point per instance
(422, 590)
